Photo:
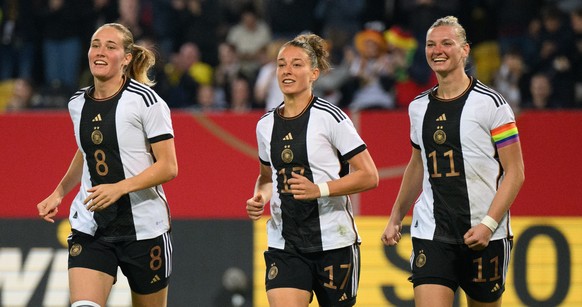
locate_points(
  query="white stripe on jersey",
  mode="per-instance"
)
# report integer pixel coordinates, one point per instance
(482, 111)
(140, 116)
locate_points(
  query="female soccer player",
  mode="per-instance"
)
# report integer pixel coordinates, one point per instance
(305, 146)
(120, 216)
(467, 166)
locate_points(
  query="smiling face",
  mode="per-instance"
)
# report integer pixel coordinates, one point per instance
(107, 56)
(294, 71)
(445, 52)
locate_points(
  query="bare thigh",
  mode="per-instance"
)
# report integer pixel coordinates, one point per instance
(474, 303)
(288, 297)
(432, 295)
(91, 285)
(157, 299)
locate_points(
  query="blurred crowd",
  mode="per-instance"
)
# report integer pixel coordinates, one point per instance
(219, 55)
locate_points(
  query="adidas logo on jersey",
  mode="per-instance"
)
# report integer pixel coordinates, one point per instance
(442, 118)
(97, 118)
(288, 137)
(155, 279)
(343, 298)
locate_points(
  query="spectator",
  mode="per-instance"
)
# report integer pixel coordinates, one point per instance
(164, 25)
(18, 38)
(266, 90)
(541, 93)
(231, 10)
(554, 58)
(555, 35)
(249, 36)
(241, 98)
(130, 16)
(515, 19)
(340, 21)
(403, 48)
(511, 79)
(371, 81)
(63, 22)
(330, 82)
(198, 23)
(228, 69)
(20, 97)
(206, 100)
(184, 74)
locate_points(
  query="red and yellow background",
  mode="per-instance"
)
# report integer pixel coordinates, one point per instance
(217, 169)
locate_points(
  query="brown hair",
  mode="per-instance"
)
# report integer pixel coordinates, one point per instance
(142, 58)
(315, 47)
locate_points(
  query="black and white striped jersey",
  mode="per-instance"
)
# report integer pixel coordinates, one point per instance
(462, 170)
(317, 143)
(114, 136)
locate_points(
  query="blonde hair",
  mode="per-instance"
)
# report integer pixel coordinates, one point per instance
(315, 47)
(453, 22)
(143, 59)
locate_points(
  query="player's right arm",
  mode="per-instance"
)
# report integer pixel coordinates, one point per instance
(262, 194)
(48, 208)
(409, 189)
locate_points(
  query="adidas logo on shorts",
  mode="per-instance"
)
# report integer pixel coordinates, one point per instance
(155, 279)
(343, 298)
(496, 288)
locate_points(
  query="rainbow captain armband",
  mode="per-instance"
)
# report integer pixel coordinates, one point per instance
(505, 135)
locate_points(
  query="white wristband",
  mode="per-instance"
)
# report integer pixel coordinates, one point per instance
(323, 189)
(490, 223)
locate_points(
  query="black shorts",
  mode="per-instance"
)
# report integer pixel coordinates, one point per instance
(332, 275)
(147, 264)
(481, 274)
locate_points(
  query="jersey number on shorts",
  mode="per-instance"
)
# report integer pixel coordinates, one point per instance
(329, 270)
(479, 263)
(156, 258)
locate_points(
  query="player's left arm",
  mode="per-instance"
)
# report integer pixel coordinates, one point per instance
(164, 169)
(363, 176)
(511, 159)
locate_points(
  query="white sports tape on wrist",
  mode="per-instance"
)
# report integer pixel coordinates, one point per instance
(490, 223)
(323, 189)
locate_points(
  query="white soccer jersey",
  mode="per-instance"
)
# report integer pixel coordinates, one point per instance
(317, 143)
(462, 170)
(114, 136)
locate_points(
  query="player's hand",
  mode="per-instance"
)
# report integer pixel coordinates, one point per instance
(49, 207)
(391, 235)
(255, 207)
(477, 238)
(302, 188)
(102, 196)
